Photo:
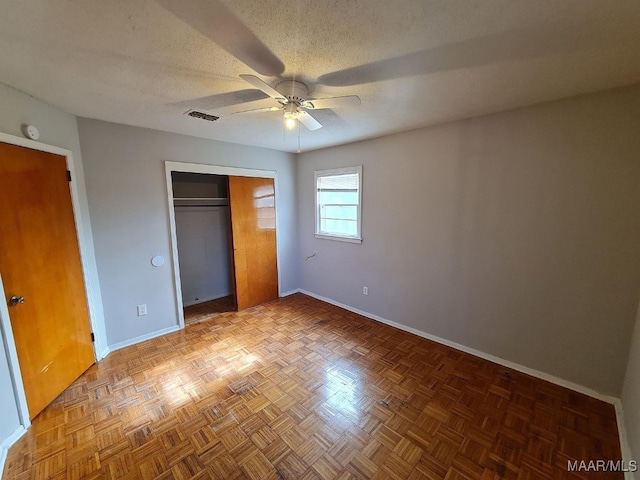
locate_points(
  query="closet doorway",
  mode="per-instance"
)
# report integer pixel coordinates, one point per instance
(223, 235)
(203, 235)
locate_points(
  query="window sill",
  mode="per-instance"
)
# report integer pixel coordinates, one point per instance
(336, 237)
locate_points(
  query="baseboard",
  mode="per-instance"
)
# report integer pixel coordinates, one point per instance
(290, 292)
(486, 356)
(624, 443)
(103, 354)
(6, 444)
(142, 338)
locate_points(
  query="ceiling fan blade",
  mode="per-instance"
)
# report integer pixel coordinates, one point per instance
(265, 87)
(507, 46)
(333, 102)
(257, 110)
(308, 121)
(215, 21)
(261, 105)
(224, 100)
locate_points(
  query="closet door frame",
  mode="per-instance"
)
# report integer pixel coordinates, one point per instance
(210, 170)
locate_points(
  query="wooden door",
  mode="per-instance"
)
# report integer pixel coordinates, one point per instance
(253, 228)
(40, 261)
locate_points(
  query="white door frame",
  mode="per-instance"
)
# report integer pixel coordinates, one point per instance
(211, 170)
(5, 322)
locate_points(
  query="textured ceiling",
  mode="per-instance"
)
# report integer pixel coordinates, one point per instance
(412, 62)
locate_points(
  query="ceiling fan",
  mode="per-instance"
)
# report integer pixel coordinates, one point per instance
(214, 19)
(292, 99)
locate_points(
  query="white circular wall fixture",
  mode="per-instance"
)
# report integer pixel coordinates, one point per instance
(157, 261)
(31, 132)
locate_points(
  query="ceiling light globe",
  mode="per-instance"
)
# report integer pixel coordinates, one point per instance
(290, 123)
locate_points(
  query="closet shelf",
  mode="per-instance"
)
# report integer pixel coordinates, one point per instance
(200, 202)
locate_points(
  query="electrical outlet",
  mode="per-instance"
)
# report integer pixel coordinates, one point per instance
(142, 309)
(365, 290)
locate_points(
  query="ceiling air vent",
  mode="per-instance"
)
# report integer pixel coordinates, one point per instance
(202, 115)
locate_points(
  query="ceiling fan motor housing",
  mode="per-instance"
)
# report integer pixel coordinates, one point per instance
(293, 91)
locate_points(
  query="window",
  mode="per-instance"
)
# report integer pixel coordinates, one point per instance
(338, 200)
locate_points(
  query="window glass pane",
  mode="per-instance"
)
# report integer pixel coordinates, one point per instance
(338, 197)
(337, 207)
(349, 212)
(347, 181)
(347, 228)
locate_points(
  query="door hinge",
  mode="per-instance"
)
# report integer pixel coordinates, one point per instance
(69, 175)
(93, 337)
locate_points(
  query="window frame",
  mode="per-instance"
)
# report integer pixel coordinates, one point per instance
(328, 173)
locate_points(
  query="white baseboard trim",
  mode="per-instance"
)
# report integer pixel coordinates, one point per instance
(486, 356)
(142, 338)
(290, 292)
(624, 443)
(6, 444)
(103, 354)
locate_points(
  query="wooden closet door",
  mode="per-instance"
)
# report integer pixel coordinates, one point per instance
(253, 227)
(41, 269)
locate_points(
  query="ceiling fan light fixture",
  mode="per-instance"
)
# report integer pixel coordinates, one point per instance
(290, 122)
(290, 115)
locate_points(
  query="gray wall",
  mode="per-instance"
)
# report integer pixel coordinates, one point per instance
(515, 234)
(59, 129)
(631, 395)
(127, 190)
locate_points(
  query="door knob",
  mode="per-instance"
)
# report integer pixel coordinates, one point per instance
(15, 300)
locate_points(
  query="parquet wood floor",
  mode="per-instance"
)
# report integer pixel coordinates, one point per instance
(299, 389)
(207, 310)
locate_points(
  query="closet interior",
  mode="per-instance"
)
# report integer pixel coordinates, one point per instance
(203, 232)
